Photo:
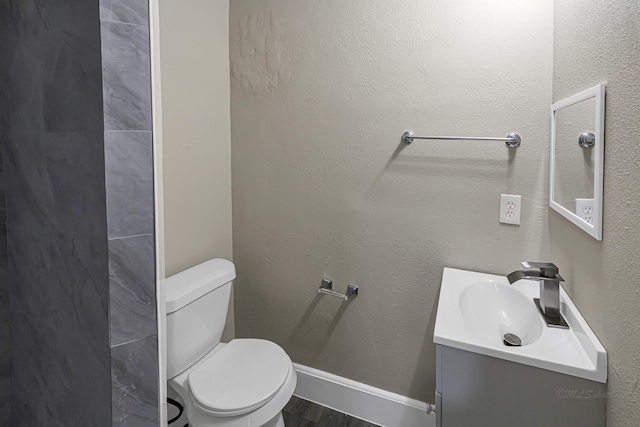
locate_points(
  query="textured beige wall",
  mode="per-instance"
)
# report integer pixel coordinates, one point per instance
(194, 42)
(596, 42)
(320, 93)
(194, 55)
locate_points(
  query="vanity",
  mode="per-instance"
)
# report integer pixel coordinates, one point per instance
(500, 365)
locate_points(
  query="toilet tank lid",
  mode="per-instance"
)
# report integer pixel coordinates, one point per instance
(189, 285)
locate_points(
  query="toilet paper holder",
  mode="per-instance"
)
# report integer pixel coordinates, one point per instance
(326, 288)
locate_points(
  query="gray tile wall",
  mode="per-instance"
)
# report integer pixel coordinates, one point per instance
(128, 148)
(5, 343)
(134, 366)
(52, 131)
(7, 42)
(59, 276)
(8, 45)
(75, 120)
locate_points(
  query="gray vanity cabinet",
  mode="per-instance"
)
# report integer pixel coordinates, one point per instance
(474, 390)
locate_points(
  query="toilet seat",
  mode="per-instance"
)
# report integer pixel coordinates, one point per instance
(241, 377)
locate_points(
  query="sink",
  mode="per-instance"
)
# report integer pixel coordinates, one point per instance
(493, 309)
(476, 310)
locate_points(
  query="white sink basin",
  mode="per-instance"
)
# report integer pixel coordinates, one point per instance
(476, 310)
(494, 309)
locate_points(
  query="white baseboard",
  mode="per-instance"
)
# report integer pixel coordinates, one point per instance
(362, 401)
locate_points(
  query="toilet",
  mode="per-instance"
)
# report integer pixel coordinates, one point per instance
(244, 383)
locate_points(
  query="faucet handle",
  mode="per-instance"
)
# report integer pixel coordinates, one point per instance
(546, 268)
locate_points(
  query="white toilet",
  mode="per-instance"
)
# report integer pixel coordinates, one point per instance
(244, 383)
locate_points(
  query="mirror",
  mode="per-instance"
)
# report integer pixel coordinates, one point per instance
(577, 159)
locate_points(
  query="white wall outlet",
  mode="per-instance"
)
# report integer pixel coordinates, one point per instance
(584, 209)
(510, 209)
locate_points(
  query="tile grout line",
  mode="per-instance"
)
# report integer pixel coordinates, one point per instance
(110, 239)
(124, 23)
(133, 341)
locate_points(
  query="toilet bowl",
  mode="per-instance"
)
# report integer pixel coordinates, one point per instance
(244, 383)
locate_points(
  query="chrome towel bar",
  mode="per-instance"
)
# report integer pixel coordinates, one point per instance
(512, 140)
(326, 288)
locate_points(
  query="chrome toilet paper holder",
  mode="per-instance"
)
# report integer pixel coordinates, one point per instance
(326, 288)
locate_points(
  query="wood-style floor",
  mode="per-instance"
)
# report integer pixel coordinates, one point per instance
(301, 413)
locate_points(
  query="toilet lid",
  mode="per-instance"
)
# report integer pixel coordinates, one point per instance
(240, 378)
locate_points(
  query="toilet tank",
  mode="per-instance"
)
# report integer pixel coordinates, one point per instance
(197, 301)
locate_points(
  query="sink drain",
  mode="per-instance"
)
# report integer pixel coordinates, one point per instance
(512, 340)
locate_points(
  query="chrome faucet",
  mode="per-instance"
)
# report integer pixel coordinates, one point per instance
(549, 301)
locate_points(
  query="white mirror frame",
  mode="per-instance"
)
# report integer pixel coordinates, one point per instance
(594, 229)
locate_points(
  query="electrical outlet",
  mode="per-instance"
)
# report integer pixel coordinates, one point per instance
(510, 209)
(584, 209)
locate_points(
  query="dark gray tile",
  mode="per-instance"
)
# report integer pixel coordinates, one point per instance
(71, 64)
(59, 276)
(5, 352)
(59, 371)
(62, 281)
(3, 259)
(21, 89)
(129, 178)
(8, 46)
(331, 418)
(299, 412)
(132, 287)
(5, 342)
(3, 245)
(57, 234)
(72, 88)
(295, 420)
(23, 415)
(53, 66)
(292, 405)
(128, 11)
(3, 185)
(3, 209)
(134, 374)
(5, 401)
(354, 422)
(126, 76)
(305, 409)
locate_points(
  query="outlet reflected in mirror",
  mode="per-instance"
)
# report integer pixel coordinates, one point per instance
(577, 148)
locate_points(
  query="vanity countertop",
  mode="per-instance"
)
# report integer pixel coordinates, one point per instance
(476, 309)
